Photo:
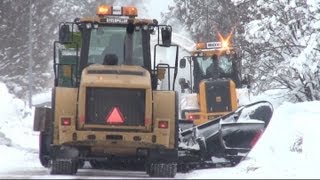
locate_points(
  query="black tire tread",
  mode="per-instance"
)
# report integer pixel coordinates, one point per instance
(163, 170)
(64, 166)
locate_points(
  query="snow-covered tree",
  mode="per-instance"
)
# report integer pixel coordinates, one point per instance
(205, 19)
(278, 40)
(281, 38)
(45, 18)
(14, 51)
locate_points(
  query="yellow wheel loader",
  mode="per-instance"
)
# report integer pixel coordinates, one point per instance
(106, 107)
(210, 98)
(215, 83)
(214, 77)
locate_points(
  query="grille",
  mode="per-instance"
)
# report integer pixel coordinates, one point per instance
(218, 96)
(101, 101)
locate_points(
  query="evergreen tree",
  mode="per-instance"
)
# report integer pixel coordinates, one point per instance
(204, 19)
(15, 45)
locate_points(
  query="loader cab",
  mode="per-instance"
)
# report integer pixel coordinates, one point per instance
(221, 67)
(211, 64)
(114, 41)
(111, 40)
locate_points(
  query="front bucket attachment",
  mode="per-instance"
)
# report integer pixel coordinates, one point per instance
(232, 135)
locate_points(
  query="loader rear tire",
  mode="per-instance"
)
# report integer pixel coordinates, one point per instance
(44, 149)
(46, 136)
(149, 169)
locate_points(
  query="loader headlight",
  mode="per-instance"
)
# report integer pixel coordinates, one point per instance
(145, 27)
(88, 25)
(95, 26)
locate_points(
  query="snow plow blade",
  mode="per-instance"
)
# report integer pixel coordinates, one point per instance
(231, 136)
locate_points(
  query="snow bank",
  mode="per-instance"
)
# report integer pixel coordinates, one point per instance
(17, 160)
(289, 148)
(16, 123)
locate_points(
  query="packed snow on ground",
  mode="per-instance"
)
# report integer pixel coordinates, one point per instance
(18, 141)
(289, 147)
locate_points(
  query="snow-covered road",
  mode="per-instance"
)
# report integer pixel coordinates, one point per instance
(20, 164)
(41, 173)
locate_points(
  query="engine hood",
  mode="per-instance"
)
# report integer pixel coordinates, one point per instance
(122, 76)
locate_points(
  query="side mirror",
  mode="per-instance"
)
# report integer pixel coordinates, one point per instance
(166, 34)
(64, 34)
(182, 63)
(183, 84)
(182, 81)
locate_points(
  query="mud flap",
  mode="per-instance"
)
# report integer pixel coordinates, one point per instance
(65, 152)
(42, 119)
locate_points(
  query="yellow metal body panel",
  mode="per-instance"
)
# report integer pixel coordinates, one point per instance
(211, 52)
(65, 106)
(67, 100)
(114, 81)
(164, 108)
(233, 94)
(204, 115)
(118, 20)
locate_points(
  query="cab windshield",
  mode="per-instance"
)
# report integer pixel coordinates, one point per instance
(110, 41)
(224, 64)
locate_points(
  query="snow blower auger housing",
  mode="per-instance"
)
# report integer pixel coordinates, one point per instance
(226, 140)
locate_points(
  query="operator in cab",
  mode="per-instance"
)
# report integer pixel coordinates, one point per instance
(213, 71)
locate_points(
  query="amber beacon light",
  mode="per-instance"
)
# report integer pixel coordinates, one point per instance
(105, 10)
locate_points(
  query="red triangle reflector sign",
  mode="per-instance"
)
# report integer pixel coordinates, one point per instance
(115, 116)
